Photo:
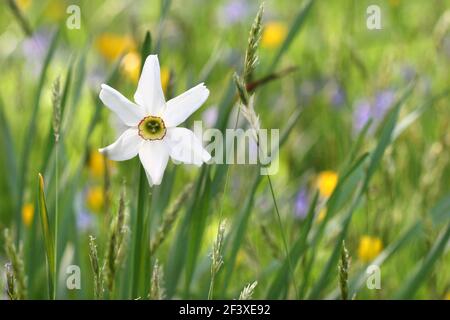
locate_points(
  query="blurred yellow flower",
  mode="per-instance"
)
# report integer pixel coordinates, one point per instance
(23, 4)
(326, 182)
(394, 3)
(27, 214)
(165, 78)
(55, 10)
(322, 214)
(273, 34)
(447, 296)
(96, 164)
(95, 199)
(131, 66)
(111, 46)
(369, 248)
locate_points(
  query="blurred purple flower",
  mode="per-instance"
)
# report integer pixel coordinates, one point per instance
(361, 115)
(234, 11)
(364, 110)
(35, 48)
(301, 204)
(383, 102)
(337, 97)
(83, 217)
(84, 221)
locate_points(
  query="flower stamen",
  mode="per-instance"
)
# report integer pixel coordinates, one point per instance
(152, 128)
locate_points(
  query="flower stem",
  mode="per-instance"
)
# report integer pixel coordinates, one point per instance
(288, 256)
(56, 219)
(139, 231)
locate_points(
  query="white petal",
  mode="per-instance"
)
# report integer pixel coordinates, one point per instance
(149, 93)
(184, 146)
(125, 147)
(181, 107)
(128, 112)
(154, 157)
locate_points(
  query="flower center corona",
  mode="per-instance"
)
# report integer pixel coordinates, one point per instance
(152, 128)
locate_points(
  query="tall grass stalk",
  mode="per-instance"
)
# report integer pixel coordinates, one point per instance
(247, 108)
(247, 292)
(216, 257)
(343, 269)
(16, 275)
(10, 282)
(97, 269)
(116, 244)
(169, 219)
(156, 288)
(56, 103)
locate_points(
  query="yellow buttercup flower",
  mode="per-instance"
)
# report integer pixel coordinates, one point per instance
(394, 3)
(27, 214)
(55, 10)
(447, 296)
(131, 66)
(326, 182)
(165, 78)
(273, 35)
(111, 46)
(369, 248)
(23, 4)
(95, 199)
(96, 164)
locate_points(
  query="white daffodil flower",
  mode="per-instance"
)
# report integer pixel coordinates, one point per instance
(152, 122)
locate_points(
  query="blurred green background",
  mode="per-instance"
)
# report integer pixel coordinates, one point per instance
(345, 75)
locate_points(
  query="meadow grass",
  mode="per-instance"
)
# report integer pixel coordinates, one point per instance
(363, 158)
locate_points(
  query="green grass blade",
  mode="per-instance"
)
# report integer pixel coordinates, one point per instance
(10, 166)
(296, 252)
(293, 31)
(31, 133)
(440, 213)
(197, 230)
(178, 251)
(387, 133)
(418, 276)
(48, 240)
(237, 233)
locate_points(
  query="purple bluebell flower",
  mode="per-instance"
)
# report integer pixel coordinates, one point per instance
(84, 218)
(234, 11)
(361, 114)
(383, 102)
(337, 97)
(301, 204)
(365, 110)
(35, 48)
